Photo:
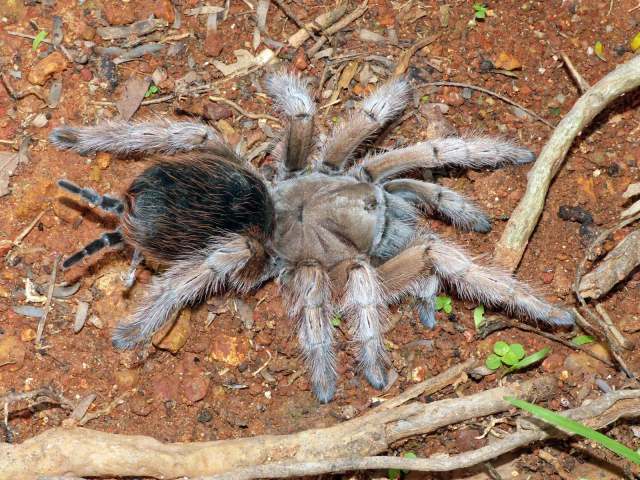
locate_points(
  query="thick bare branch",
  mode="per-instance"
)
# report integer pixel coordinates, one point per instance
(525, 217)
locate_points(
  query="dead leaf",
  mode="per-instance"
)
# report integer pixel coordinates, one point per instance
(632, 190)
(134, 91)
(245, 61)
(403, 63)
(345, 79)
(632, 210)
(204, 10)
(8, 164)
(507, 61)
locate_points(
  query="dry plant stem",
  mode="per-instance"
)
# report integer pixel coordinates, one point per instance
(336, 27)
(47, 305)
(403, 63)
(582, 84)
(525, 217)
(242, 111)
(83, 452)
(320, 23)
(598, 414)
(488, 92)
(615, 334)
(293, 17)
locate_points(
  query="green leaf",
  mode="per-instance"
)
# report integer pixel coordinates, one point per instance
(424, 99)
(517, 350)
(582, 340)
(409, 455)
(635, 42)
(554, 111)
(393, 474)
(576, 428)
(478, 316)
(500, 348)
(152, 90)
(40, 36)
(599, 50)
(336, 320)
(443, 302)
(480, 11)
(509, 358)
(493, 362)
(530, 359)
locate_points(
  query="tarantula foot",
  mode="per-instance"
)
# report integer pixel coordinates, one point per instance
(126, 336)
(523, 156)
(377, 376)
(427, 314)
(64, 137)
(481, 224)
(561, 317)
(324, 391)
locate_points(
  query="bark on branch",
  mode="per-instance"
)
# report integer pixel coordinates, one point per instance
(82, 452)
(525, 217)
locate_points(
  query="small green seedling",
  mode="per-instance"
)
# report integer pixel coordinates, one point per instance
(443, 303)
(478, 316)
(336, 320)
(577, 428)
(480, 11)
(152, 90)
(599, 50)
(394, 473)
(513, 357)
(582, 340)
(40, 36)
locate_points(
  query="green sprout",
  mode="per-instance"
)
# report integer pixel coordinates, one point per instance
(336, 320)
(478, 316)
(577, 428)
(151, 91)
(443, 303)
(41, 35)
(513, 357)
(480, 11)
(394, 473)
(582, 340)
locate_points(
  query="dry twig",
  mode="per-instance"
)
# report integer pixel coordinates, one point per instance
(242, 111)
(583, 85)
(47, 305)
(320, 23)
(336, 27)
(83, 452)
(524, 218)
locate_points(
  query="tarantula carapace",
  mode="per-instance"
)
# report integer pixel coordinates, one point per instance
(340, 235)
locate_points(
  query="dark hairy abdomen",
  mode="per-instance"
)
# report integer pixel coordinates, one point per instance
(177, 208)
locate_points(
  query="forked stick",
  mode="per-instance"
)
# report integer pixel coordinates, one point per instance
(524, 218)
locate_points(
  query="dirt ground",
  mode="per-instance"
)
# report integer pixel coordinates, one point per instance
(236, 372)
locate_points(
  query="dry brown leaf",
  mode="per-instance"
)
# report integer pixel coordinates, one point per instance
(245, 61)
(8, 164)
(134, 91)
(403, 63)
(507, 62)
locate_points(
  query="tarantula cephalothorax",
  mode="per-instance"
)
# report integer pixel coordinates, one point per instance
(339, 235)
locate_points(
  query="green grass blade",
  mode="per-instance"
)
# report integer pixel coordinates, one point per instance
(576, 427)
(530, 359)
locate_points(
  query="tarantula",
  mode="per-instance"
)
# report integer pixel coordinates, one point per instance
(339, 235)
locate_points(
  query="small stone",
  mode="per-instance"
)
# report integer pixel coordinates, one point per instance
(300, 61)
(119, 13)
(126, 379)
(581, 362)
(230, 350)
(4, 292)
(194, 388)
(506, 61)
(12, 353)
(45, 68)
(204, 416)
(86, 31)
(40, 120)
(164, 9)
(575, 214)
(86, 74)
(553, 363)
(451, 97)
(600, 351)
(213, 44)
(630, 324)
(176, 336)
(27, 335)
(418, 374)
(215, 112)
(547, 277)
(562, 283)
(103, 159)
(139, 405)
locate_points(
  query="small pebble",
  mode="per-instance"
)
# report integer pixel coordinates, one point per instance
(575, 214)
(40, 120)
(204, 416)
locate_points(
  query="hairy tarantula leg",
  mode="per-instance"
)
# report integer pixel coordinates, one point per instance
(364, 305)
(104, 202)
(130, 278)
(187, 281)
(124, 138)
(377, 109)
(308, 291)
(460, 152)
(294, 100)
(488, 285)
(108, 239)
(426, 301)
(433, 198)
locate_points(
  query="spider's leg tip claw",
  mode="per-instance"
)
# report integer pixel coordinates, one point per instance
(377, 377)
(324, 393)
(427, 316)
(482, 225)
(561, 317)
(525, 156)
